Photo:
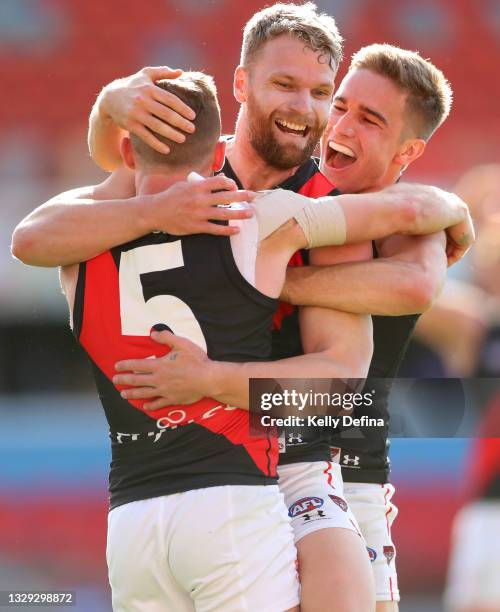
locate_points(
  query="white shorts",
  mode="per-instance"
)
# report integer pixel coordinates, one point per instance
(218, 549)
(474, 570)
(314, 496)
(371, 505)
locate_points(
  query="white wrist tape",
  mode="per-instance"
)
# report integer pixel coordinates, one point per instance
(322, 220)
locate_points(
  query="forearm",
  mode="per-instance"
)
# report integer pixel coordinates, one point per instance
(229, 382)
(375, 287)
(399, 209)
(104, 138)
(47, 236)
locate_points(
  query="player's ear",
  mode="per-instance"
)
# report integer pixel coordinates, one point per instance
(127, 153)
(240, 84)
(409, 151)
(219, 156)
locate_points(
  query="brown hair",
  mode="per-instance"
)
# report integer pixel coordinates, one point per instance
(318, 31)
(429, 95)
(198, 91)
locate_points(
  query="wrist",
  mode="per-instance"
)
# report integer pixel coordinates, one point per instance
(211, 381)
(146, 215)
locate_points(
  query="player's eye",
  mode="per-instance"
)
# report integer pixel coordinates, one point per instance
(283, 85)
(370, 121)
(338, 108)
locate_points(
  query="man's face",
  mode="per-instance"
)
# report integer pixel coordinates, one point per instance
(288, 94)
(365, 133)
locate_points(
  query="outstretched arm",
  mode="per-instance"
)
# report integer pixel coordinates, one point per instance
(80, 224)
(135, 104)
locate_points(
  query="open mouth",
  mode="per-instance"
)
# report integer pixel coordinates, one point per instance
(290, 127)
(339, 156)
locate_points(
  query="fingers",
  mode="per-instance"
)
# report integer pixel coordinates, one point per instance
(168, 118)
(226, 214)
(133, 380)
(139, 393)
(161, 402)
(162, 72)
(159, 127)
(223, 198)
(144, 366)
(218, 230)
(172, 101)
(217, 183)
(149, 138)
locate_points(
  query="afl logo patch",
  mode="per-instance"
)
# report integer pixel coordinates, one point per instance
(306, 504)
(341, 503)
(372, 554)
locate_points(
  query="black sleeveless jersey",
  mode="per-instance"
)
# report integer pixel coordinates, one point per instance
(297, 444)
(192, 286)
(362, 459)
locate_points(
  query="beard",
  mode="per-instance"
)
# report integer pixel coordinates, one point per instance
(267, 146)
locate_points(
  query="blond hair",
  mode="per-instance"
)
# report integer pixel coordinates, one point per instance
(318, 31)
(198, 91)
(429, 94)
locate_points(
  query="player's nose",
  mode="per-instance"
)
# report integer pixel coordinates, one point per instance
(302, 103)
(343, 126)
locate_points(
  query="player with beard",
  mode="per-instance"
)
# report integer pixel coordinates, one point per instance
(292, 98)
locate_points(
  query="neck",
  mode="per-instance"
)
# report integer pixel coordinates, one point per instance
(253, 172)
(156, 180)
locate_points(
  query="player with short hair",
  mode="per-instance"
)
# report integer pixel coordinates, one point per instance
(293, 107)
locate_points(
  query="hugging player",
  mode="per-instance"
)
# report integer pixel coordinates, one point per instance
(300, 96)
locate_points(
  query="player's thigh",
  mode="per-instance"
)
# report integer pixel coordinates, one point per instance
(234, 550)
(372, 506)
(330, 547)
(335, 573)
(139, 573)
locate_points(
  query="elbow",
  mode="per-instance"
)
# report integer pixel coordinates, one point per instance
(353, 363)
(421, 292)
(25, 247)
(22, 244)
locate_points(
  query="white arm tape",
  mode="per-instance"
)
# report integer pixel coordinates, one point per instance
(322, 220)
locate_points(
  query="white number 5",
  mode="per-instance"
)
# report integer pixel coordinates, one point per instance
(138, 316)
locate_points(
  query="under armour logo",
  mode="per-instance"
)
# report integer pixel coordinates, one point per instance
(294, 438)
(350, 460)
(319, 513)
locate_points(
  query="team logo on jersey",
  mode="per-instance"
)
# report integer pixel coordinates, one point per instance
(306, 504)
(341, 503)
(335, 454)
(372, 554)
(389, 553)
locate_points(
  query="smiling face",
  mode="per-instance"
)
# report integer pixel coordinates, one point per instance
(286, 92)
(368, 140)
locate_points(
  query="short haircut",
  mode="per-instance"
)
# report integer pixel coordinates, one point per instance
(198, 91)
(429, 95)
(318, 31)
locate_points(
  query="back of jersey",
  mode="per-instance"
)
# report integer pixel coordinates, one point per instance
(191, 286)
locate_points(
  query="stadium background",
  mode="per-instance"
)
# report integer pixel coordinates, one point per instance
(55, 55)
